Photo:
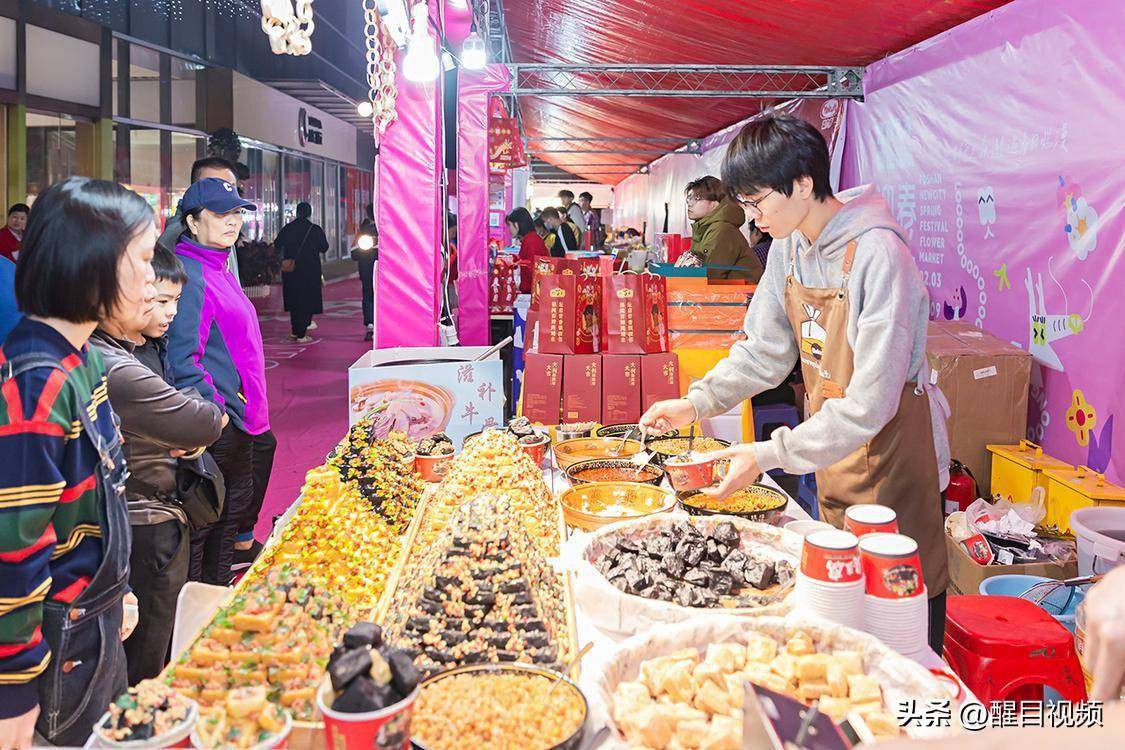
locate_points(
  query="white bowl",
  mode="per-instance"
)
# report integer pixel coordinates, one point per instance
(168, 739)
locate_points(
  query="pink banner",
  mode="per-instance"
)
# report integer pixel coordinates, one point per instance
(474, 90)
(409, 214)
(998, 147)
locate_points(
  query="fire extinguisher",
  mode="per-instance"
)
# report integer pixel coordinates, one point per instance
(962, 489)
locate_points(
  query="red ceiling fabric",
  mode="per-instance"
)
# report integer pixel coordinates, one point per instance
(712, 32)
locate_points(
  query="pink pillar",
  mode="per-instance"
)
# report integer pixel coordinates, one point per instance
(409, 214)
(474, 90)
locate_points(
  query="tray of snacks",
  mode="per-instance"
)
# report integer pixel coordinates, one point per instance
(500, 707)
(246, 720)
(613, 470)
(669, 568)
(482, 591)
(148, 715)
(330, 565)
(682, 685)
(758, 502)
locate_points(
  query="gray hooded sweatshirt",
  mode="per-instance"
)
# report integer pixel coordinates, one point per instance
(887, 320)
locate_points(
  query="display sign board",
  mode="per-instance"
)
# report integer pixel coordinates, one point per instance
(423, 390)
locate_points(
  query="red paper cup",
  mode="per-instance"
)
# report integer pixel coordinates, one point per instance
(433, 468)
(537, 451)
(978, 548)
(831, 557)
(870, 519)
(388, 729)
(891, 566)
(690, 475)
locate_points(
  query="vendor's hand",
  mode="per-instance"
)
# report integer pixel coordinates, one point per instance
(226, 420)
(129, 615)
(665, 416)
(1105, 636)
(19, 731)
(743, 470)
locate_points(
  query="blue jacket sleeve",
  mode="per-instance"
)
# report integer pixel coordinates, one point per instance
(187, 340)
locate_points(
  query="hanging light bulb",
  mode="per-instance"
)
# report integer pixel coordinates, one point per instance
(365, 109)
(421, 63)
(473, 54)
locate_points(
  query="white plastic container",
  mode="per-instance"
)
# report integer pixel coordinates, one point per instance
(1100, 534)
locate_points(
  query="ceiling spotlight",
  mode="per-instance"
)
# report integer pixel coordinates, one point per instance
(473, 54)
(365, 109)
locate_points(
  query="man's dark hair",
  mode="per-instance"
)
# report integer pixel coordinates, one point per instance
(18, 208)
(76, 234)
(523, 221)
(706, 188)
(566, 194)
(550, 212)
(211, 162)
(304, 210)
(587, 195)
(769, 154)
(168, 267)
(539, 223)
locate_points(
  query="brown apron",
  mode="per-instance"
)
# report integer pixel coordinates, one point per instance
(898, 468)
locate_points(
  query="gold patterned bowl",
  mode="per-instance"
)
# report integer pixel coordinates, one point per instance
(570, 452)
(591, 506)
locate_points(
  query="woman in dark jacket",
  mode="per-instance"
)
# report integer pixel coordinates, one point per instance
(300, 245)
(716, 235)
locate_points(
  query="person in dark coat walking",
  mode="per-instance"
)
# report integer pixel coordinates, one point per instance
(300, 243)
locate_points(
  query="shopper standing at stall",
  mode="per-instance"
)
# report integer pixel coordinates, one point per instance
(201, 169)
(64, 528)
(574, 213)
(521, 225)
(215, 346)
(156, 419)
(593, 221)
(300, 243)
(563, 238)
(716, 234)
(842, 295)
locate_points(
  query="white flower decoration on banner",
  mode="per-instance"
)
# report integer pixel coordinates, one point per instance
(289, 26)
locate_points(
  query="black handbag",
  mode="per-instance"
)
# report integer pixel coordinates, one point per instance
(200, 490)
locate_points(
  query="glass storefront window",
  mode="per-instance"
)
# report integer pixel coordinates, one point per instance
(51, 151)
(262, 188)
(298, 185)
(183, 92)
(144, 83)
(332, 210)
(184, 153)
(144, 167)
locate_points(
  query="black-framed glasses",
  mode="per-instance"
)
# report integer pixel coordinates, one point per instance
(754, 203)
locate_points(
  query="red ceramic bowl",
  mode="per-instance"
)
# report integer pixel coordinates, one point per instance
(537, 451)
(690, 475)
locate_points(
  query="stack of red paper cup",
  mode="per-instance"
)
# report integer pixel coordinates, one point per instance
(895, 605)
(870, 519)
(830, 581)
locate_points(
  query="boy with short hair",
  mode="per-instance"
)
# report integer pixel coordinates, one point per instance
(170, 279)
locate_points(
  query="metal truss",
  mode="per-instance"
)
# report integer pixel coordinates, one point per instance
(744, 81)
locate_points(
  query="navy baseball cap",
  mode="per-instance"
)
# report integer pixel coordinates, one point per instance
(215, 195)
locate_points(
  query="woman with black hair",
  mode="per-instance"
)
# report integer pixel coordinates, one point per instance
(300, 243)
(215, 346)
(64, 527)
(521, 225)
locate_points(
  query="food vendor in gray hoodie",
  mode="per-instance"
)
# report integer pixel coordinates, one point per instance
(842, 295)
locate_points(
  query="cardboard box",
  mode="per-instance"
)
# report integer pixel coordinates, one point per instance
(582, 388)
(660, 378)
(621, 388)
(965, 574)
(542, 387)
(985, 381)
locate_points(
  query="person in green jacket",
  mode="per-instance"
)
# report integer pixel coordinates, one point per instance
(716, 237)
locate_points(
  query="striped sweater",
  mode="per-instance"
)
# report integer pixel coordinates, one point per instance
(50, 536)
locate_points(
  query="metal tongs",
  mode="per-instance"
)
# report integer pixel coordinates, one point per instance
(1040, 592)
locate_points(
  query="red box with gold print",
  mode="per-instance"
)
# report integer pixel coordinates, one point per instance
(569, 314)
(582, 388)
(621, 388)
(660, 378)
(542, 387)
(634, 314)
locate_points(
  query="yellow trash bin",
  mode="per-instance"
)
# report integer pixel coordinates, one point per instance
(1018, 469)
(1072, 488)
